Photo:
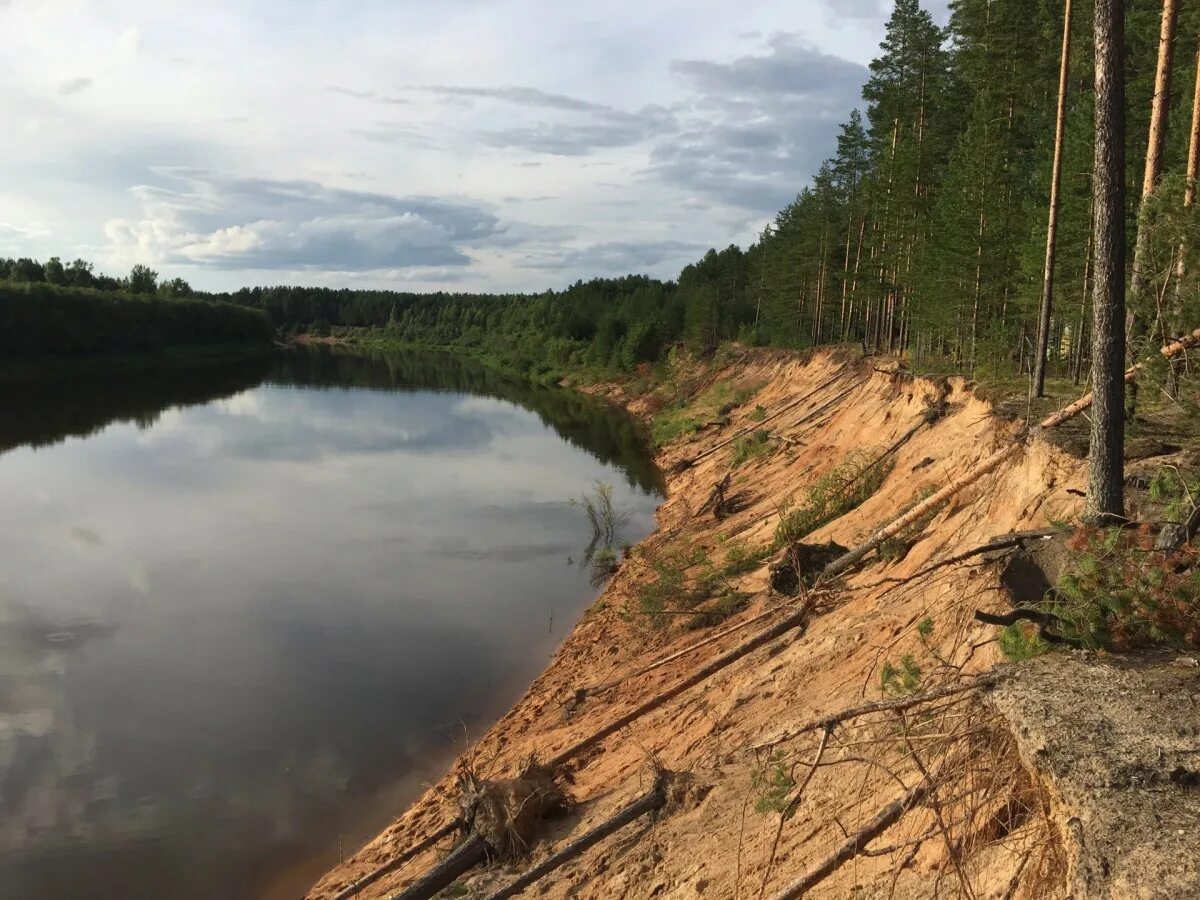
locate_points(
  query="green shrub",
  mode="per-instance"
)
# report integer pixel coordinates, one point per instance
(1020, 641)
(1118, 592)
(750, 446)
(771, 786)
(739, 558)
(831, 496)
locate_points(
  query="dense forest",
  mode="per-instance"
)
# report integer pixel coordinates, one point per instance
(925, 233)
(39, 319)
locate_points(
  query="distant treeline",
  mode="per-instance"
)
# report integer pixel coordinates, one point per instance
(40, 319)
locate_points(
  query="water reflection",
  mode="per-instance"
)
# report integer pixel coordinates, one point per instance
(236, 614)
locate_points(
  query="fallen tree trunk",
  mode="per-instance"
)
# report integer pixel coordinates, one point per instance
(466, 855)
(882, 821)
(652, 800)
(795, 620)
(757, 425)
(987, 466)
(659, 663)
(392, 864)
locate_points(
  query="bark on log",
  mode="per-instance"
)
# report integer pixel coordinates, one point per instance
(649, 802)
(466, 855)
(882, 821)
(391, 865)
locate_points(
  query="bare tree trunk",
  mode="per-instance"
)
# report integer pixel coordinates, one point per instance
(1039, 368)
(1159, 109)
(1193, 165)
(1105, 498)
(1077, 369)
(1136, 323)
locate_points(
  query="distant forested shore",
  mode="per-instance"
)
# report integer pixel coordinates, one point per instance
(41, 320)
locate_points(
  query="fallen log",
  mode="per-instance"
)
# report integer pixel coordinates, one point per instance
(890, 705)
(659, 663)
(1043, 620)
(465, 856)
(775, 415)
(1003, 542)
(881, 822)
(392, 864)
(649, 802)
(987, 466)
(795, 620)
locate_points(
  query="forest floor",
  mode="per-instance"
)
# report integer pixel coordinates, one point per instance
(969, 793)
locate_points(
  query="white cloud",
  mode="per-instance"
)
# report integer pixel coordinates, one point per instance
(227, 141)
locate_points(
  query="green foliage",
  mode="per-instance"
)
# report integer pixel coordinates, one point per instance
(758, 413)
(750, 446)
(831, 496)
(672, 424)
(1020, 641)
(900, 680)
(1117, 592)
(740, 558)
(41, 319)
(683, 582)
(771, 786)
(1177, 494)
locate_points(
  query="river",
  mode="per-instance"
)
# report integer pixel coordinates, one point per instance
(248, 609)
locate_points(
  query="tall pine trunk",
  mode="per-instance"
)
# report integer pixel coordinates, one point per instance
(1105, 497)
(1042, 352)
(1193, 165)
(1154, 154)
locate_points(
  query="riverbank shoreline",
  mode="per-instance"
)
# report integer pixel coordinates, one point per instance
(707, 653)
(615, 639)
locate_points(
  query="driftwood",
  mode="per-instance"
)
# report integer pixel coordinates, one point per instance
(649, 802)
(881, 822)
(890, 705)
(985, 467)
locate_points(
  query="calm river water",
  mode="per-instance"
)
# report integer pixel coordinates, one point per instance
(246, 609)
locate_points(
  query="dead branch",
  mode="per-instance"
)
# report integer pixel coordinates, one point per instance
(985, 467)
(788, 811)
(795, 620)
(657, 664)
(779, 412)
(1003, 542)
(894, 703)
(652, 800)
(881, 822)
(1043, 620)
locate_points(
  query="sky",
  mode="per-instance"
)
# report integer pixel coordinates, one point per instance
(463, 145)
